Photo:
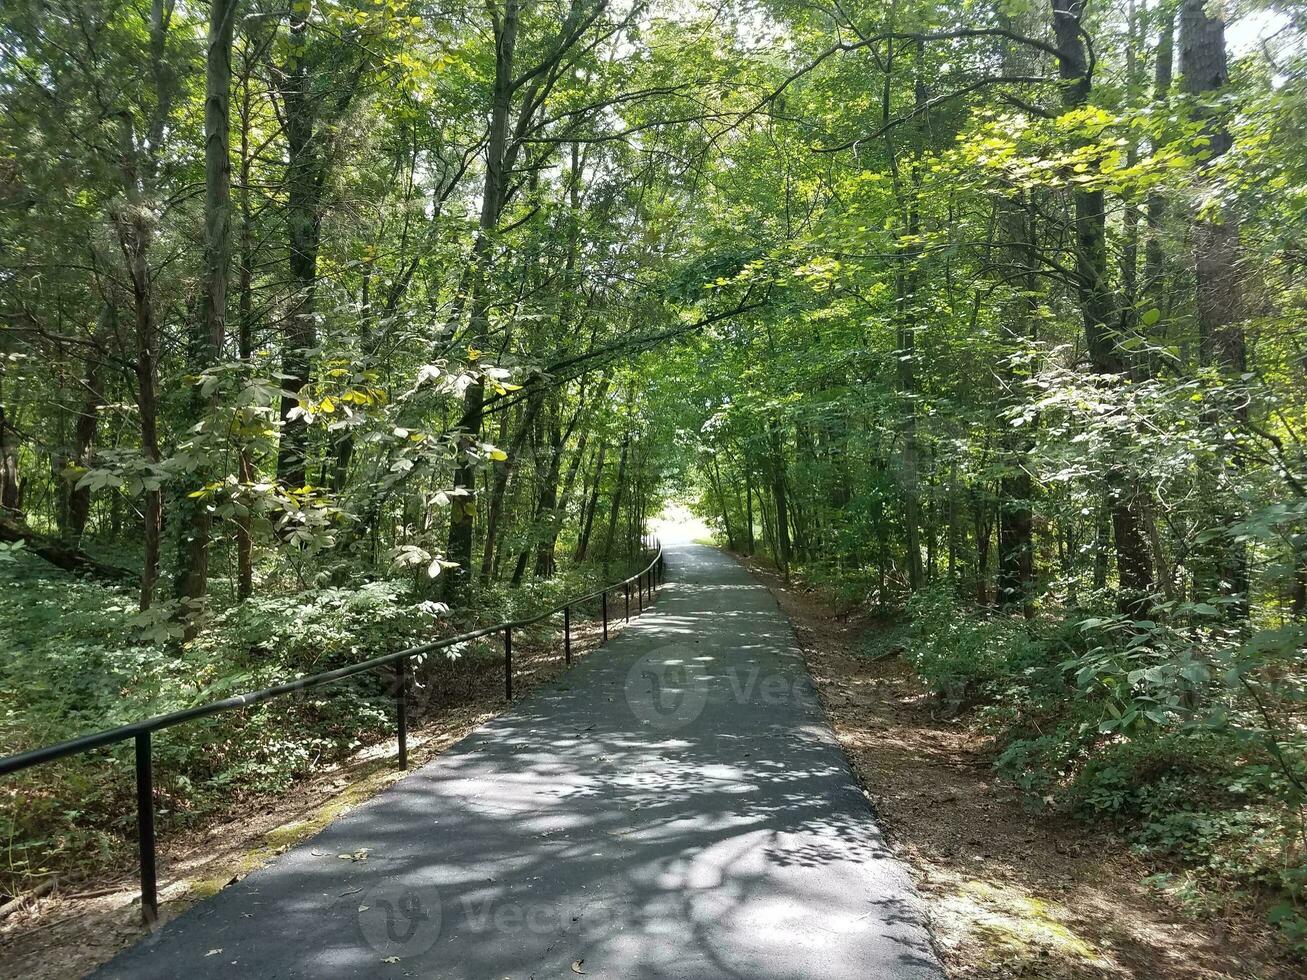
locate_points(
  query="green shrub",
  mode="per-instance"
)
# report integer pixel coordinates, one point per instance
(78, 663)
(957, 654)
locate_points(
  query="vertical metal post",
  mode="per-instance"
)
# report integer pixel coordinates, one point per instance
(627, 587)
(639, 594)
(604, 605)
(508, 663)
(567, 634)
(401, 709)
(145, 829)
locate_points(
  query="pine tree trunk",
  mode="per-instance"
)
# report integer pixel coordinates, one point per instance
(1218, 268)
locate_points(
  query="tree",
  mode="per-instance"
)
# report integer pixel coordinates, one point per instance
(210, 331)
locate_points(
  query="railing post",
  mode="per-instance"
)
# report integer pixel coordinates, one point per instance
(567, 635)
(627, 588)
(401, 709)
(145, 829)
(639, 594)
(604, 605)
(508, 663)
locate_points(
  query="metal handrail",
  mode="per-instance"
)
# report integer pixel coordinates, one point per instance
(647, 579)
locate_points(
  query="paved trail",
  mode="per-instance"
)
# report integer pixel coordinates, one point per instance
(675, 807)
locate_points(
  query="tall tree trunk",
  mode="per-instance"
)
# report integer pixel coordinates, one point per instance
(721, 501)
(303, 221)
(616, 507)
(547, 507)
(748, 510)
(1218, 266)
(211, 331)
(88, 420)
(245, 345)
(133, 224)
(780, 499)
(589, 507)
(549, 540)
(906, 280)
(503, 474)
(1016, 564)
(1099, 308)
(134, 237)
(84, 430)
(11, 500)
(463, 516)
(1154, 248)
(981, 511)
(1129, 255)
(953, 519)
(765, 517)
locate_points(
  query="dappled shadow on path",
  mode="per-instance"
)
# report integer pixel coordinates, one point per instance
(718, 835)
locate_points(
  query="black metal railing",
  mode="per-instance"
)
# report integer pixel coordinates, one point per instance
(645, 581)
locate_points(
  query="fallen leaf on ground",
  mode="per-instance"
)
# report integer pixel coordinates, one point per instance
(576, 966)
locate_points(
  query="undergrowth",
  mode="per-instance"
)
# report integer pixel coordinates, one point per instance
(1184, 732)
(79, 659)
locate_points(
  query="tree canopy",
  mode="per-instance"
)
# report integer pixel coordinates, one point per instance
(379, 316)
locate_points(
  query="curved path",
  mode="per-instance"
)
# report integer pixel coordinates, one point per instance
(675, 807)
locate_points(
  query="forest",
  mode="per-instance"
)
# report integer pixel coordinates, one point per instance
(329, 327)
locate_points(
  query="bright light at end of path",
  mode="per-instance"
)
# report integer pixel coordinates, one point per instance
(676, 525)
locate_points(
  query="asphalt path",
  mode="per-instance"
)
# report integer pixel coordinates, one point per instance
(675, 806)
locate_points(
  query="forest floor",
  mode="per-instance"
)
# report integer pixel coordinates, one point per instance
(1011, 892)
(85, 920)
